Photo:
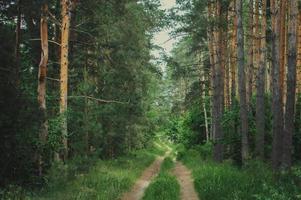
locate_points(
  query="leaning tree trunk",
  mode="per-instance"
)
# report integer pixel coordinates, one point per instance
(277, 109)
(42, 85)
(260, 114)
(65, 29)
(242, 83)
(291, 85)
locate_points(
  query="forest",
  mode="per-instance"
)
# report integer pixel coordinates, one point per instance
(95, 103)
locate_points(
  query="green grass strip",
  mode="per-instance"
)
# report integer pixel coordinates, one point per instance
(164, 186)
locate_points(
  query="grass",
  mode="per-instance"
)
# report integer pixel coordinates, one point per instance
(164, 186)
(226, 182)
(107, 180)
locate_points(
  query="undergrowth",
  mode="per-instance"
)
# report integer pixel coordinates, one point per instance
(90, 178)
(255, 181)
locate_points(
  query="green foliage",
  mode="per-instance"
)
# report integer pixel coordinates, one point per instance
(188, 128)
(109, 59)
(205, 150)
(13, 192)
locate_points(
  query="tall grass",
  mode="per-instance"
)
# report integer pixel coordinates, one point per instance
(225, 182)
(107, 180)
(164, 186)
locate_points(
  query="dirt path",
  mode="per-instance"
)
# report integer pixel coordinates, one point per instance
(142, 183)
(186, 182)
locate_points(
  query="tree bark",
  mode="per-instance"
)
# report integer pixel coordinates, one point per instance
(65, 30)
(282, 46)
(277, 109)
(251, 47)
(291, 85)
(242, 83)
(233, 58)
(218, 87)
(42, 84)
(260, 107)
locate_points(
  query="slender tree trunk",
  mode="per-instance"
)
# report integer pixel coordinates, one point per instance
(257, 42)
(86, 109)
(203, 95)
(251, 47)
(299, 55)
(277, 109)
(233, 58)
(210, 34)
(17, 46)
(218, 101)
(242, 82)
(65, 29)
(282, 53)
(42, 84)
(260, 108)
(291, 85)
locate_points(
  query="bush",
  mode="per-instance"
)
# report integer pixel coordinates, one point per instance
(205, 150)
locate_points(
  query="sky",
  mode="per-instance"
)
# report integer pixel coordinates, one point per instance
(162, 38)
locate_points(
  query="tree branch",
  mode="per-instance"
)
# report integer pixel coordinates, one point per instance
(52, 79)
(50, 41)
(99, 100)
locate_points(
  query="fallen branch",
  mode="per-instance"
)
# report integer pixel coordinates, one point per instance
(99, 100)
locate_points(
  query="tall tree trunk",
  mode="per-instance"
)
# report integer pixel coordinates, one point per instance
(251, 47)
(217, 83)
(233, 58)
(277, 109)
(42, 84)
(219, 86)
(242, 82)
(212, 59)
(17, 46)
(260, 114)
(299, 55)
(282, 53)
(257, 42)
(65, 29)
(291, 85)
